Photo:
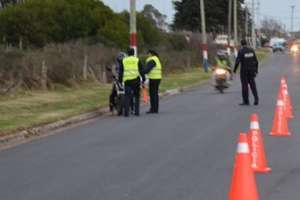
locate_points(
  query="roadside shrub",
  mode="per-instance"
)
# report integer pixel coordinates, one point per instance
(36, 23)
(64, 63)
(11, 71)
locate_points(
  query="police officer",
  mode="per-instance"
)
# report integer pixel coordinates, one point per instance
(130, 72)
(249, 69)
(154, 71)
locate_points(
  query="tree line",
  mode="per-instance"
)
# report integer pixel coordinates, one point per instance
(35, 23)
(67, 41)
(187, 15)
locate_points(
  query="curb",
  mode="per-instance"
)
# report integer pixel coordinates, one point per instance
(43, 130)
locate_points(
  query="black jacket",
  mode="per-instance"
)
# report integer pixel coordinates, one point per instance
(248, 60)
(149, 66)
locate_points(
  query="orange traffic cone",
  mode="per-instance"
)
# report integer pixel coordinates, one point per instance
(145, 95)
(243, 185)
(256, 143)
(286, 99)
(280, 125)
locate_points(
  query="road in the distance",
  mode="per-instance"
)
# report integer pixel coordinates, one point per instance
(184, 153)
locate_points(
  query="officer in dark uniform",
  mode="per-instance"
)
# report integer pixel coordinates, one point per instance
(130, 72)
(249, 69)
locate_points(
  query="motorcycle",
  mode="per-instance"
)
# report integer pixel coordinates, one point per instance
(116, 99)
(221, 79)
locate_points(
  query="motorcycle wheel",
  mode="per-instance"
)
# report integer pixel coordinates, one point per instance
(120, 105)
(220, 88)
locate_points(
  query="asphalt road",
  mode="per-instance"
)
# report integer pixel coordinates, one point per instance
(184, 153)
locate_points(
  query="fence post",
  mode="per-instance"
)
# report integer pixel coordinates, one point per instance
(44, 75)
(85, 67)
(104, 77)
(189, 61)
(21, 43)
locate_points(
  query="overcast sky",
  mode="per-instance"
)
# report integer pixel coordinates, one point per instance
(278, 9)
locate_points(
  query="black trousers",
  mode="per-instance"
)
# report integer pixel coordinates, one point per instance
(153, 92)
(132, 92)
(248, 79)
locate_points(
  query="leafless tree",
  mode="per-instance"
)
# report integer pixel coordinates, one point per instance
(272, 27)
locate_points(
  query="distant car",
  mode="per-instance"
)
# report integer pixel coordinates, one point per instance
(277, 47)
(295, 47)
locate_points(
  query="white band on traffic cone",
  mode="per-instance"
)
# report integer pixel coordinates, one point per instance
(243, 148)
(254, 125)
(280, 103)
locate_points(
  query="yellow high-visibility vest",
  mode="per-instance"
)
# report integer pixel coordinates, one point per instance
(156, 72)
(131, 68)
(222, 63)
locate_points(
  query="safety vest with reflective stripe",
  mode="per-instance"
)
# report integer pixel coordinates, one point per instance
(131, 68)
(156, 72)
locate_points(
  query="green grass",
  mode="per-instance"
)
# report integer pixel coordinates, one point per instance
(38, 107)
(262, 53)
(192, 77)
(29, 108)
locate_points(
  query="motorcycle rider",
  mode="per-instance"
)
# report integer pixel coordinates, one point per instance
(116, 72)
(222, 62)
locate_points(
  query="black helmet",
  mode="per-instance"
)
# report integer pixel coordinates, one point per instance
(121, 56)
(130, 51)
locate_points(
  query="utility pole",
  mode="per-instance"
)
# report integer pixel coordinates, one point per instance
(133, 40)
(258, 28)
(235, 27)
(229, 26)
(292, 19)
(253, 26)
(258, 14)
(246, 22)
(204, 36)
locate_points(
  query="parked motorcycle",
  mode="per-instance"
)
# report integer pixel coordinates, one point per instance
(116, 99)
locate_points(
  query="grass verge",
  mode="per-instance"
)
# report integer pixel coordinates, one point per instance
(30, 108)
(262, 53)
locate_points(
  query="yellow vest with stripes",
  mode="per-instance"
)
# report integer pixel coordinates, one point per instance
(131, 68)
(156, 72)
